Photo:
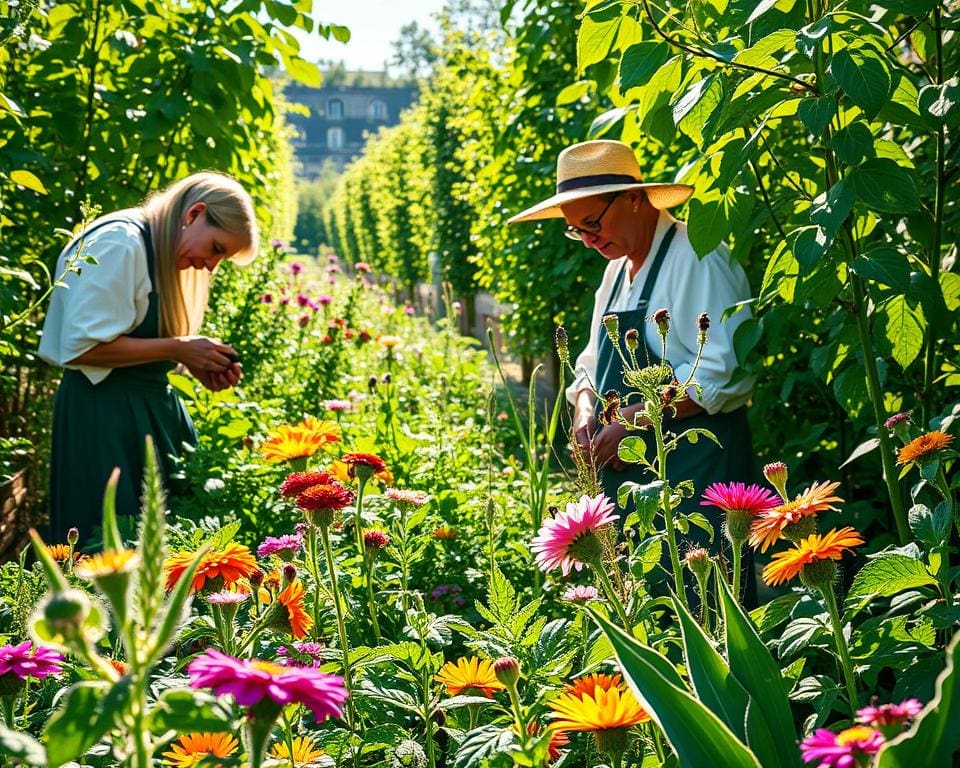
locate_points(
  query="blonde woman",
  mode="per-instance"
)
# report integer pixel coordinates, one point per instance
(120, 325)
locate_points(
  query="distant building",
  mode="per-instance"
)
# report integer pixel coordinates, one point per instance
(347, 107)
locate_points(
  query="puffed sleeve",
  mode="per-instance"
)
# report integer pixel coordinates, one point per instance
(105, 300)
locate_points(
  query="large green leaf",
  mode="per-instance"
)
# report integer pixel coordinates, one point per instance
(904, 328)
(934, 737)
(853, 143)
(755, 669)
(185, 710)
(884, 265)
(864, 77)
(885, 186)
(88, 712)
(694, 111)
(887, 575)
(817, 112)
(639, 63)
(695, 733)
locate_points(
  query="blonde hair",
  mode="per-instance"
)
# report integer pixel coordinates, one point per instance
(182, 293)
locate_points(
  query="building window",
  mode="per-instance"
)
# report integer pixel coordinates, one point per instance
(334, 108)
(378, 110)
(335, 138)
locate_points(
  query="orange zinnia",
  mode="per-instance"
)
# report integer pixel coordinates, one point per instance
(470, 676)
(603, 710)
(813, 549)
(193, 748)
(768, 528)
(292, 600)
(923, 447)
(299, 440)
(232, 563)
(588, 684)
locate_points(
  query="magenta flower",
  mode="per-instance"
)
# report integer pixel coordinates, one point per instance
(889, 714)
(285, 547)
(295, 267)
(337, 405)
(361, 267)
(267, 298)
(275, 243)
(227, 597)
(302, 299)
(26, 660)
(249, 682)
(406, 496)
(841, 750)
(301, 654)
(332, 258)
(409, 310)
(580, 594)
(897, 418)
(739, 497)
(567, 538)
(324, 299)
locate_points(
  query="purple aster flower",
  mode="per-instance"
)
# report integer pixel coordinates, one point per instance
(249, 682)
(302, 654)
(285, 547)
(26, 660)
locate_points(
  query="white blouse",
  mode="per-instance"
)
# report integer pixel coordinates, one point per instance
(686, 286)
(105, 300)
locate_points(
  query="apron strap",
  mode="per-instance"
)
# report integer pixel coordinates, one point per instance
(651, 280)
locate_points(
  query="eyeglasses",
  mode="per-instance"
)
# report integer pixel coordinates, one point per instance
(589, 227)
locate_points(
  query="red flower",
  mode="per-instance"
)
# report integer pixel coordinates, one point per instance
(297, 482)
(354, 460)
(325, 496)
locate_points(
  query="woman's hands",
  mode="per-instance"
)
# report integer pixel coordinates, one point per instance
(211, 362)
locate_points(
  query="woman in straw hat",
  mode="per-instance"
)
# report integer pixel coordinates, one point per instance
(119, 325)
(651, 265)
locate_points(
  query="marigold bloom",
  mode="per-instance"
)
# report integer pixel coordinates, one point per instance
(883, 715)
(251, 681)
(297, 618)
(297, 482)
(61, 553)
(813, 549)
(559, 536)
(192, 748)
(601, 711)
(299, 440)
(470, 676)
(305, 751)
(26, 660)
(390, 342)
(108, 563)
(924, 447)
(841, 750)
(768, 528)
(232, 563)
(121, 667)
(588, 684)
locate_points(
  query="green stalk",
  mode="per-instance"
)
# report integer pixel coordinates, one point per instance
(427, 714)
(668, 515)
(841, 643)
(371, 603)
(9, 710)
(612, 596)
(358, 519)
(341, 627)
(737, 555)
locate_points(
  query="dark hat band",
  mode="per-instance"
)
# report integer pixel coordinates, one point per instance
(598, 180)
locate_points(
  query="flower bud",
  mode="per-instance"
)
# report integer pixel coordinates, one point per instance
(65, 612)
(73, 536)
(776, 474)
(899, 423)
(703, 325)
(387, 378)
(374, 541)
(563, 349)
(697, 560)
(632, 339)
(612, 324)
(289, 573)
(372, 384)
(507, 670)
(256, 579)
(662, 318)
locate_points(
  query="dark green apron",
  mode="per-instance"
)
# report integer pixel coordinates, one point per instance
(97, 427)
(703, 462)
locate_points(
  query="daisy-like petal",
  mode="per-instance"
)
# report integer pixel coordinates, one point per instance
(588, 684)
(740, 497)
(841, 750)
(604, 710)
(768, 527)
(471, 675)
(815, 548)
(232, 563)
(924, 447)
(26, 660)
(193, 748)
(554, 542)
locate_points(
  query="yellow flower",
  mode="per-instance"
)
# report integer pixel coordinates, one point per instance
(768, 527)
(587, 685)
(390, 342)
(923, 447)
(813, 549)
(299, 440)
(190, 749)
(305, 751)
(606, 709)
(470, 676)
(108, 563)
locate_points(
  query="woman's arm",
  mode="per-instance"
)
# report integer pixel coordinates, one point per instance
(198, 353)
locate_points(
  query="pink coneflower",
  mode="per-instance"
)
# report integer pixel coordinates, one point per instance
(568, 539)
(841, 750)
(740, 503)
(227, 597)
(301, 654)
(285, 547)
(324, 300)
(581, 594)
(337, 405)
(249, 682)
(406, 496)
(362, 267)
(333, 258)
(374, 541)
(302, 299)
(884, 715)
(267, 298)
(26, 660)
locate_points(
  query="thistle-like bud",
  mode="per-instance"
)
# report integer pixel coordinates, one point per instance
(899, 424)
(563, 349)
(662, 318)
(73, 536)
(372, 384)
(611, 407)
(374, 541)
(256, 579)
(507, 670)
(289, 573)
(612, 324)
(387, 379)
(776, 474)
(697, 560)
(632, 339)
(703, 325)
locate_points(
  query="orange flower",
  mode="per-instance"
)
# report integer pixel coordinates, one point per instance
(292, 600)
(299, 440)
(193, 748)
(61, 553)
(232, 563)
(444, 532)
(813, 549)
(924, 447)
(602, 711)
(588, 684)
(108, 563)
(340, 471)
(768, 528)
(470, 676)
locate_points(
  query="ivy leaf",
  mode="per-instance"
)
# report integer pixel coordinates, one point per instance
(864, 77)
(903, 327)
(887, 575)
(885, 186)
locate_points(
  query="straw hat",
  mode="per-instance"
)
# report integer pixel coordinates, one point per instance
(594, 168)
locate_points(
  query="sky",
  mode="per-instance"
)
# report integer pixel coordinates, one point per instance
(373, 24)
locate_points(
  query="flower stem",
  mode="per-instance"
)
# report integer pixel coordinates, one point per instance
(841, 643)
(668, 514)
(737, 555)
(371, 603)
(341, 626)
(358, 518)
(612, 596)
